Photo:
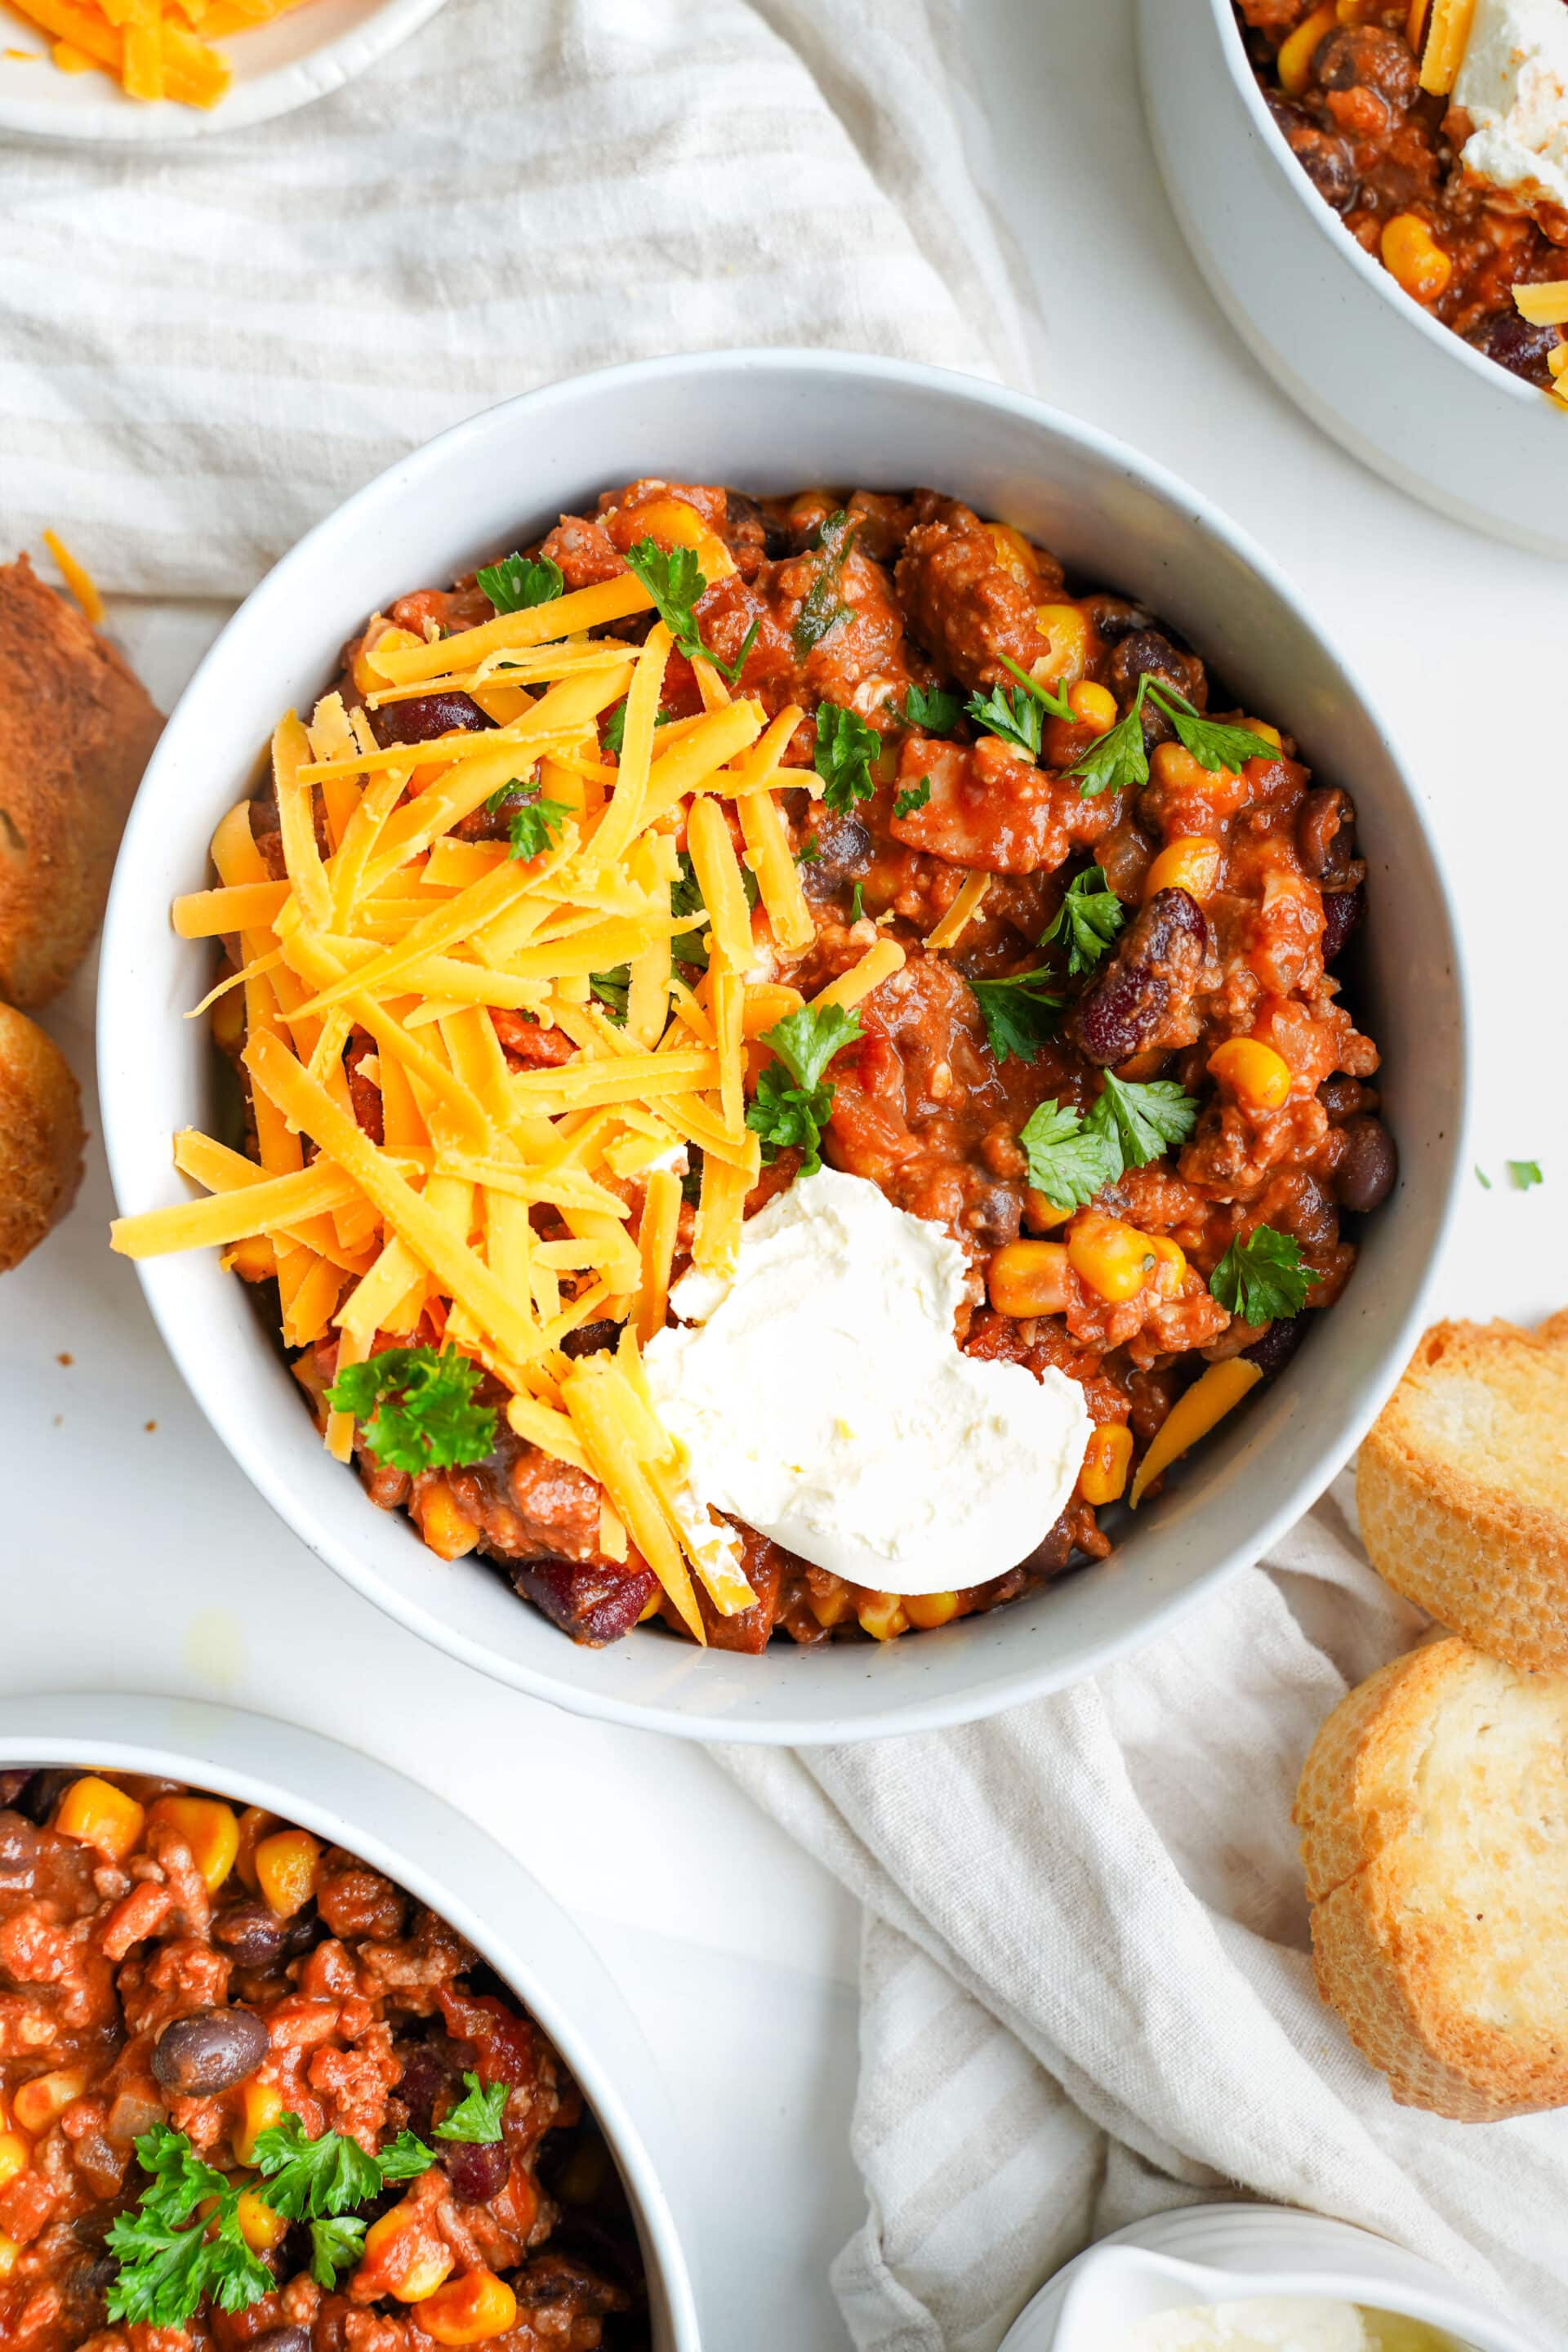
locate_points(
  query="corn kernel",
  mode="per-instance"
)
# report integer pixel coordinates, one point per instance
(928, 1610)
(671, 522)
(208, 1827)
(831, 1609)
(1175, 771)
(36, 2105)
(1294, 62)
(286, 1871)
(1092, 705)
(1170, 1265)
(1190, 863)
(1030, 1278)
(1014, 553)
(10, 2255)
(259, 2226)
(883, 1616)
(1255, 1075)
(445, 1526)
(15, 2155)
(1106, 1463)
(254, 1825)
(99, 1815)
(424, 2266)
(260, 2107)
(1270, 735)
(1042, 1215)
(1066, 628)
(1412, 255)
(1113, 1258)
(469, 2309)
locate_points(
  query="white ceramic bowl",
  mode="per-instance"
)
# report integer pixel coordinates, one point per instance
(768, 421)
(308, 54)
(1223, 2254)
(1335, 331)
(440, 1856)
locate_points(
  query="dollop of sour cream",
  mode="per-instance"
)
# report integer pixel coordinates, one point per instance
(821, 1397)
(1513, 84)
(1280, 2323)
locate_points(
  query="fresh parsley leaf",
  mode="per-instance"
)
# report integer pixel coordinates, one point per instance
(1053, 699)
(823, 606)
(1525, 1172)
(1019, 1012)
(794, 1101)
(615, 735)
(810, 850)
(477, 2117)
(537, 826)
(1212, 743)
(1066, 1162)
(169, 2260)
(1116, 761)
(405, 2157)
(519, 581)
(1262, 1279)
(1015, 716)
(857, 904)
(1087, 921)
(673, 578)
(1482, 1179)
(308, 2177)
(930, 709)
(610, 988)
(337, 2243)
(418, 1408)
(1141, 1123)
(846, 748)
(692, 1182)
(906, 803)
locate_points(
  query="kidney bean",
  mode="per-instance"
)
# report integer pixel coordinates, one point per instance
(594, 1606)
(1155, 969)
(43, 1793)
(13, 1783)
(280, 2339)
(590, 1339)
(1342, 910)
(1274, 1350)
(1325, 827)
(1516, 345)
(1323, 156)
(1342, 1097)
(425, 716)
(1115, 618)
(429, 2069)
(209, 2051)
(18, 1843)
(253, 1936)
(746, 524)
(1367, 1166)
(1366, 57)
(1149, 650)
(477, 2169)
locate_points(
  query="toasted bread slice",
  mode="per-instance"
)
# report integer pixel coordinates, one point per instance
(41, 1136)
(1463, 1487)
(1433, 1820)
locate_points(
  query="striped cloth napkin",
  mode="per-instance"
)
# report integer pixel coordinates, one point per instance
(1084, 1983)
(208, 346)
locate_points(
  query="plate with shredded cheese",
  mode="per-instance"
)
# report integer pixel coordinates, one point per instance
(159, 70)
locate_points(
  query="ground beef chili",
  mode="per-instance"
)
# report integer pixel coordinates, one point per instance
(1232, 894)
(168, 1961)
(1383, 153)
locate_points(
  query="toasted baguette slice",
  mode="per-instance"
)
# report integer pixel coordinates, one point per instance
(1433, 1820)
(1463, 1487)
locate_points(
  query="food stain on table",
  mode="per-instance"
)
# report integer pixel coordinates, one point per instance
(213, 1648)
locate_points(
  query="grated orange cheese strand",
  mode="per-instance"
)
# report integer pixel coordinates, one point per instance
(297, 821)
(259, 1207)
(878, 963)
(540, 1425)
(376, 805)
(603, 1408)
(778, 877)
(568, 615)
(655, 1246)
(308, 1306)
(755, 770)
(77, 577)
(695, 763)
(953, 924)
(1448, 31)
(457, 918)
(718, 873)
(613, 834)
(240, 907)
(463, 1276)
(1544, 304)
(716, 1243)
(726, 1000)
(220, 1170)
(340, 1429)
(142, 70)
(634, 1078)
(374, 1304)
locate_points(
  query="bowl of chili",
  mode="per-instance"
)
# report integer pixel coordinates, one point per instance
(307, 1996)
(1102, 529)
(1370, 278)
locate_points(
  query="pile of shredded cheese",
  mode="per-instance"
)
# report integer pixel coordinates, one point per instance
(403, 931)
(152, 48)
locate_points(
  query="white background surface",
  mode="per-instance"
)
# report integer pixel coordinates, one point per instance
(137, 1558)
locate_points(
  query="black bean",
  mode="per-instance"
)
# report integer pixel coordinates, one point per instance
(1154, 970)
(1325, 833)
(1516, 345)
(18, 1843)
(424, 716)
(1342, 910)
(477, 2169)
(1115, 618)
(745, 520)
(994, 1212)
(209, 2051)
(13, 1783)
(1365, 1174)
(1326, 159)
(1366, 57)
(280, 2339)
(251, 1932)
(1278, 1343)
(590, 1339)
(43, 1793)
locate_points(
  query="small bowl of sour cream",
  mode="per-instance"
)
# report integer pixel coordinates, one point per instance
(1256, 2278)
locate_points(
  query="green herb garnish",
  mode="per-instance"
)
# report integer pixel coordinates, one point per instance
(1525, 1172)
(794, 1101)
(1141, 1122)
(519, 581)
(535, 826)
(1011, 714)
(1263, 1279)
(416, 1406)
(477, 2118)
(673, 578)
(846, 748)
(1087, 921)
(857, 904)
(611, 988)
(1117, 760)
(930, 708)
(1053, 699)
(1066, 1164)
(823, 606)
(1019, 1012)
(810, 850)
(906, 803)
(169, 2260)
(1073, 1154)
(615, 735)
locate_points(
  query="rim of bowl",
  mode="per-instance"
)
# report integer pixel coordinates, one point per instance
(1328, 226)
(150, 1734)
(318, 72)
(117, 1071)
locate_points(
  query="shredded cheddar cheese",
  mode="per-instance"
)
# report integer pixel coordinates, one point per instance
(151, 50)
(1544, 304)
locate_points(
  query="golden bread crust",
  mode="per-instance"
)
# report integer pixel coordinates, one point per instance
(41, 1136)
(75, 729)
(1462, 1487)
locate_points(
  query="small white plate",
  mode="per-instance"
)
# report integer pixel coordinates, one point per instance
(308, 54)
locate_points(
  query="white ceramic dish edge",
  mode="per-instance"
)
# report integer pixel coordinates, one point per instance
(491, 1900)
(277, 68)
(1216, 2253)
(838, 416)
(1403, 392)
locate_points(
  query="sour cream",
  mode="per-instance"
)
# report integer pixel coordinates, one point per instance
(1513, 85)
(1281, 2324)
(821, 1397)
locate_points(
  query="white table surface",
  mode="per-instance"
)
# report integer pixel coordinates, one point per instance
(738, 1953)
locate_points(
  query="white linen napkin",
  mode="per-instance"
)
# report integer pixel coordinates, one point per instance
(207, 347)
(1085, 1989)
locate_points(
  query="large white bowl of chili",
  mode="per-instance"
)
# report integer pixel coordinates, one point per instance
(769, 422)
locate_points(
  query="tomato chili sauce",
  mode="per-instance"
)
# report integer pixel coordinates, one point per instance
(1166, 926)
(188, 1990)
(1343, 85)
